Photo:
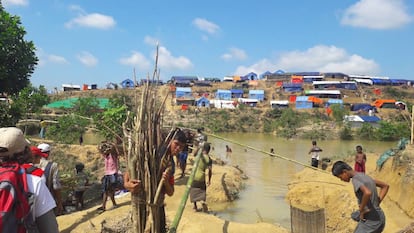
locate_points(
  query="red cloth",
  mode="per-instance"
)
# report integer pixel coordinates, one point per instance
(360, 167)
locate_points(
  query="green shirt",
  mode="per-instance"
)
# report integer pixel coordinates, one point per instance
(205, 162)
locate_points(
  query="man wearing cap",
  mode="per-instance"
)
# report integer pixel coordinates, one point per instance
(15, 148)
(51, 172)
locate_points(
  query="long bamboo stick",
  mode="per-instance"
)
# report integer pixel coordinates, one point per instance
(179, 214)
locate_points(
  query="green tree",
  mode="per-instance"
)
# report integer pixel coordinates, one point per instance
(68, 129)
(346, 132)
(86, 106)
(366, 132)
(17, 56)
(338, 112)
(110, 122)
(31, 99)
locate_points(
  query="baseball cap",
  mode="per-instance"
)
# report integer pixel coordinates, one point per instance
(44, 147)
(12, 141)
(37, 152)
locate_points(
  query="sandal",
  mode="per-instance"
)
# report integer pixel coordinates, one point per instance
(101, 209)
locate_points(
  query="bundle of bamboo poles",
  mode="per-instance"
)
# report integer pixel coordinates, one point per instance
(142, 129)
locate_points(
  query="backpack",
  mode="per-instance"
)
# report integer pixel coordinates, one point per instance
(16, 201)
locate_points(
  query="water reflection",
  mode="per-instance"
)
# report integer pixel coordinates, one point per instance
(263, 197)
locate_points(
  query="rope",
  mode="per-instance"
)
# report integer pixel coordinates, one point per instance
(265, 152)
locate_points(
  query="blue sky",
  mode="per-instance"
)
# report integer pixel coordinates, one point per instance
(97, 42)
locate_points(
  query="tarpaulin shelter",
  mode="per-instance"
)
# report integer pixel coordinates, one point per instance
(279, 104)
(358, 121)
(183, 92)
(303, 102)
(256, 94)
(363, 107)
(127, 83)
(250, 76)
(236, 93)
(223, 94)
(202, 102)
(292, 87)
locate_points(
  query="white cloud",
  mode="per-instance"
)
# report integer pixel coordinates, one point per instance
(318, 58)
(45, 58)
(168, 61)
(93, 20)
(87, 59)
(206, 26)
(234, 54)
(136, 59)
(377, 14)
(15, 2)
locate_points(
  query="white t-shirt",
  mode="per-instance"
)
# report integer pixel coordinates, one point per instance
(43, 201)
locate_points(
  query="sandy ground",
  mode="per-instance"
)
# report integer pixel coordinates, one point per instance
(310, 190)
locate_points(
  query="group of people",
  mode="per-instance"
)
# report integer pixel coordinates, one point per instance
(43, 179)
(15, 151)
(369, 215)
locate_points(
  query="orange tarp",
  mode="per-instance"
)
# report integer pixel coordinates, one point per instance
(296, 79)
(380, 102)
(315, 100)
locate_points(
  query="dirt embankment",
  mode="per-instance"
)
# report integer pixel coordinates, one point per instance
(318, 190)
(226, 184)
(310, 190)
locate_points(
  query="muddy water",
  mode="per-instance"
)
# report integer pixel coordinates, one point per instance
(263, 198)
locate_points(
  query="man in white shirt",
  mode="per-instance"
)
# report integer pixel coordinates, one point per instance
(51, 172)
(15, 148)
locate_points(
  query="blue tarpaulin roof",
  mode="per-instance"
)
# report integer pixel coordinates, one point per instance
(236, 91)
(370, 118)
(256, 92)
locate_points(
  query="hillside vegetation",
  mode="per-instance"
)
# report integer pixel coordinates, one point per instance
(306, 123)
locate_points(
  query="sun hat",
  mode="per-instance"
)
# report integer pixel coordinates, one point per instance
(37, 152)
(44, 147)
(12, 141)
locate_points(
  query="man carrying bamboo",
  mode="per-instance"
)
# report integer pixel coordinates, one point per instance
(166, 182)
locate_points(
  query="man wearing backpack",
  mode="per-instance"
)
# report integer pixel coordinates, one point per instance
(25, 202)
(51, 172)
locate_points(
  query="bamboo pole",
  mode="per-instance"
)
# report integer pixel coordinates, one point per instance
(412, 126)
(179, 213)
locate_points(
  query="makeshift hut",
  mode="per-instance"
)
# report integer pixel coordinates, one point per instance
(362, 107)
(70, 87)
(236, 93)
(202, 102)
(264, 75)
(357, 121)
(303, 102)
(127, 83)
(280, 104)
(228, 104)
(257, 94)
(223, 94)
(248, 102)
(183, 92)
(250, 76)
(292, 87)
(334, 101)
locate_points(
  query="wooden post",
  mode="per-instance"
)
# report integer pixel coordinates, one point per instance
(412, 125)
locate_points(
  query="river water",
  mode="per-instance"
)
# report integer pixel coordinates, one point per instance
(263, 198)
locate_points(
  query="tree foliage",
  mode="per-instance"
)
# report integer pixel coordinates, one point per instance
(29, 100)
(17, 56)
(68, 129)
